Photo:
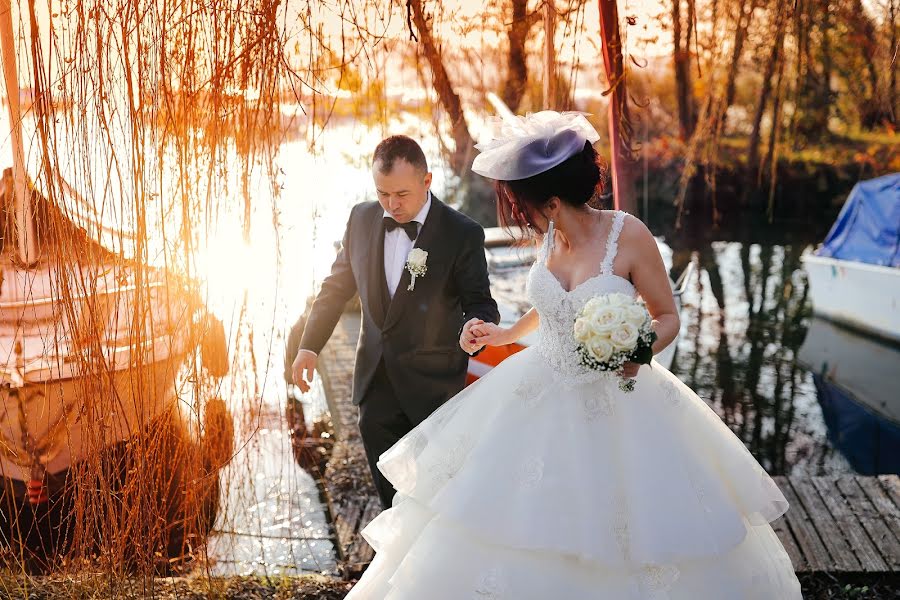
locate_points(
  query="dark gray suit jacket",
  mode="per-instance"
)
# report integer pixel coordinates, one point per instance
(416, 333)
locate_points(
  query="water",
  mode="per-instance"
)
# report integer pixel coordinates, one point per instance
(751, 347)
(273, 522)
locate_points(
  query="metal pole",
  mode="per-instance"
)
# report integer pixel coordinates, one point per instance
(24, 217)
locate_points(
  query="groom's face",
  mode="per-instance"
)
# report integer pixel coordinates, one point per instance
(403, 190)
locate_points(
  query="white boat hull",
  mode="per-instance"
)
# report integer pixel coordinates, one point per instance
(80, 376)
(860, 295)
(73, 419)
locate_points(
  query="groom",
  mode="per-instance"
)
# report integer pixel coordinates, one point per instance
(409, 360)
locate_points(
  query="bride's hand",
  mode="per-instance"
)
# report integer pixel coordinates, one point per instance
(630, 370)
(488, 334)
(467, 337)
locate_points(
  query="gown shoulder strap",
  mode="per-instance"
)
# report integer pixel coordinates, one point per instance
(547, 245)
(612, 243)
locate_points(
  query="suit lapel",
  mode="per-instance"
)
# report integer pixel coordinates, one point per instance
(425, 241)
(377, 285)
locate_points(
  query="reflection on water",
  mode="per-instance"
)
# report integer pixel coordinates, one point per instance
(745, 319)
(856, 383)
(273, 522)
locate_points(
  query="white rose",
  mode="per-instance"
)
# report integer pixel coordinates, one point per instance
(583, 330)
(600, 349)
(606, 319)
(594, 304)
(416, 258)
(624, 337)
(635, 314)
(618, 299)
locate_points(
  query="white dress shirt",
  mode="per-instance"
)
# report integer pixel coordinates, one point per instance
(397, 246)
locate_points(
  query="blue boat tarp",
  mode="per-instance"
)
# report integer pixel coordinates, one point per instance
(868, 228)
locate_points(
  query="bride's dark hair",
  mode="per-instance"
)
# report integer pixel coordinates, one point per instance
(579, 180)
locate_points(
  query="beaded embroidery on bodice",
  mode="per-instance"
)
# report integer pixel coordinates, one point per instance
(557, 307)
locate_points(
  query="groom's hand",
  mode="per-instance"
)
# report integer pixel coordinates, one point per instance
(305, 362)
(488, 334)
(467, 337)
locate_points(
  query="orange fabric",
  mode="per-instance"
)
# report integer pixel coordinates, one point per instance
(493, 356)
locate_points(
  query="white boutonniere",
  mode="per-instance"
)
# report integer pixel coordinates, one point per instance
(416, 265)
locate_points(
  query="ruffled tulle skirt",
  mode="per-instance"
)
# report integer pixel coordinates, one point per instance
(528, 486)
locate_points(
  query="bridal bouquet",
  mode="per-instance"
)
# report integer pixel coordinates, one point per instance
(611, 330)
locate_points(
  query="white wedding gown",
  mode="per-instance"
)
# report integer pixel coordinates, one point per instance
(543, 480)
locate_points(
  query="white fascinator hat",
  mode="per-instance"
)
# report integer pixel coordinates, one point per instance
(521, 147)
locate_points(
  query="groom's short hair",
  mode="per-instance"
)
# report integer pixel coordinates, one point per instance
(399, 147)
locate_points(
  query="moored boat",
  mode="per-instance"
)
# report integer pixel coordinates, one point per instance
(103, 404)
(854, 276)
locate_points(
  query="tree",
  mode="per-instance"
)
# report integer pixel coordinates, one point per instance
(681, 40)
(812, 88)
(859, 63)
(744, 18)
(462, 155)
(519, 32)
(516, 62)
(477, 192)
(775, 58)
(620, 129)
(893, 14)
(550, 72)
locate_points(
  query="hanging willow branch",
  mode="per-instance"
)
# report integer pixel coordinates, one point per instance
(149, 121)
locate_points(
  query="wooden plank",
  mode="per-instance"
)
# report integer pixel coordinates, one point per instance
(864, 510)
(891, 485)
(822, 520)
(888, 541)
(373, 509)
(361, 553)
(878, 495)
(814, 551)
(345, 525)
(845, 516)
(783, 531)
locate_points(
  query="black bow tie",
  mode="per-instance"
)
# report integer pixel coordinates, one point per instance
(411, 228)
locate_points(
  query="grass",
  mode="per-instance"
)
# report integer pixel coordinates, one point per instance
(97, 586)
(867, 586)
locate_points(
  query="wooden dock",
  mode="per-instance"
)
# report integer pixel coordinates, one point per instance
(848, 524)
(352, 499)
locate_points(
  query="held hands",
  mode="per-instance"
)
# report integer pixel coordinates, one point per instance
(305, 362)
(467, 337)
(488, 334)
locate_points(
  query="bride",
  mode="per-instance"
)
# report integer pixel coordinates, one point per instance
(544, 479)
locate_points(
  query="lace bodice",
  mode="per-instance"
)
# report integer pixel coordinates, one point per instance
(557, 307)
